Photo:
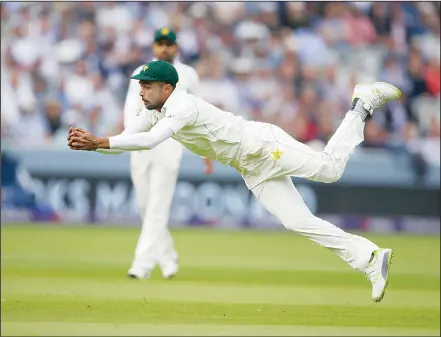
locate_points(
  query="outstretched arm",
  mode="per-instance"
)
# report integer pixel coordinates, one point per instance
(140, 135)
(142, 140)
(127, 131)
(80, 139)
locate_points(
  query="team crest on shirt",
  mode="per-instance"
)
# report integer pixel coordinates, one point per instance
(276, 154)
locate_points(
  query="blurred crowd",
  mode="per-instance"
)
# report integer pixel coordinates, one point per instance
(290, 63)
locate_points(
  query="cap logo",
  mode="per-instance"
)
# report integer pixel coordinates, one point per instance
(145, 68)
(165, 31)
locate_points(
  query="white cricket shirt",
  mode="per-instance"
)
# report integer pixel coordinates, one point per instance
(198, 125)
(205, 130)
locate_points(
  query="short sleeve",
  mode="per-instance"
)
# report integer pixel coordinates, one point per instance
(133, 102)
(193, 81)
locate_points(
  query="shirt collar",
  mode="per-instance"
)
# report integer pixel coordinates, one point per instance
(174, 96)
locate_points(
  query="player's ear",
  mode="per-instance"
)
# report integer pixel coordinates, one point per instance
(168, 88)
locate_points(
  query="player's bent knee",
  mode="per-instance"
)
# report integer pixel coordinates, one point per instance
(334, 177)
(332, 169)
(329, 176)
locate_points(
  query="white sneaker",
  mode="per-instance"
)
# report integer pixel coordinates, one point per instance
(169, 270)
(139, 273)
(378, 272)
(376, 95)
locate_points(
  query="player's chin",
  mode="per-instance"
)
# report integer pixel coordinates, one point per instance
(148, 105)
(166, 58)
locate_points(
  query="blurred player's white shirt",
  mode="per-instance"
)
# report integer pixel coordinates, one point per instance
(188, 80)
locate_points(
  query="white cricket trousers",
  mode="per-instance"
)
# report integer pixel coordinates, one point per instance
(154, 175)
(280, 197)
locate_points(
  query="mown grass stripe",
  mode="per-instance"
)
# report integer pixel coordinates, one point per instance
(141, 311)
(350, 279)
(95, 329)
(219, 293)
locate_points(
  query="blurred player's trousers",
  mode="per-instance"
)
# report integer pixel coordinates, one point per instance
(154, 174)
(280, 197)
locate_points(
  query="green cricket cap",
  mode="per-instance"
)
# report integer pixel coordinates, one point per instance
(165, 33)
(159, 71)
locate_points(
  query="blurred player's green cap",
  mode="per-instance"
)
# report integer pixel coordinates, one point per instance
(165, 33)
(159, 71)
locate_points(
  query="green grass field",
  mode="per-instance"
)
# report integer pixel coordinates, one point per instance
(73, 281)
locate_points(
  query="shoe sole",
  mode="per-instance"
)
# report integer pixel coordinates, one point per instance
(389, 263)
(398, 91)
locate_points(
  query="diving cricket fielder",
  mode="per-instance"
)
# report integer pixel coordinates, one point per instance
(264, 154)
(154, 173)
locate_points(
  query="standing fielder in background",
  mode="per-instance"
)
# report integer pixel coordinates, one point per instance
(154, 173)
(263, 153)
